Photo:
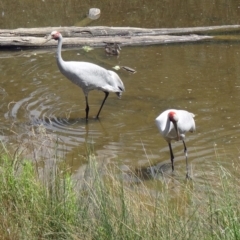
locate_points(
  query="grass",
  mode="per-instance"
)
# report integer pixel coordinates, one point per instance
(105, 206)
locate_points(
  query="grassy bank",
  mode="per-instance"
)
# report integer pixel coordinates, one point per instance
(103, 206)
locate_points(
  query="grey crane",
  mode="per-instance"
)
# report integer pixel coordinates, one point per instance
(87, 76)
(172, 125)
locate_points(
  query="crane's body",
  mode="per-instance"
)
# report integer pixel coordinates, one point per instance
(88, 76)
(166, 127)
(172, 125)
(81, 73)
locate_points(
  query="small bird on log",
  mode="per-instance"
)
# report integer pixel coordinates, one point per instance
(172, 125)
(88, 76)
(112, 48)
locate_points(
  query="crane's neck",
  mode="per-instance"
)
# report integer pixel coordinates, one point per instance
(59, 49)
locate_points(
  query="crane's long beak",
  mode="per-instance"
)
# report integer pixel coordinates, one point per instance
(177, 131)
(47, 40)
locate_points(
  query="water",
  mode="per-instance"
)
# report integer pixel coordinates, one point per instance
(42, 110)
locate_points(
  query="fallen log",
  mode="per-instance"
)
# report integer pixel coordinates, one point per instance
(96, 36)
(33, 42)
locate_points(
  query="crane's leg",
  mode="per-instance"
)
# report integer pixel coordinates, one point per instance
(172, 156)
(186, 155)
(87, 107)
(106, 95)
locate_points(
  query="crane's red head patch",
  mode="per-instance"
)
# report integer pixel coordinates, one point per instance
(55, 35)
(173, 116)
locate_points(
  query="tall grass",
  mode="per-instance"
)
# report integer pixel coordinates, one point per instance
(105, 206)
(30, 209)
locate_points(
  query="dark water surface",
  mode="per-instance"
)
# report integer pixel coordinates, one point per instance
(135, 13)
(43, 110)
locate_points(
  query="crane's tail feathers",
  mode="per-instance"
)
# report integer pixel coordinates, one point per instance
(119, 94)
(118, 90)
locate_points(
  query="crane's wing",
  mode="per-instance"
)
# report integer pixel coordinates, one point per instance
(186, 121)
(114, 84)
(90, 76)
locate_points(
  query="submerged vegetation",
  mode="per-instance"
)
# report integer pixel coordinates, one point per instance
(50, 204)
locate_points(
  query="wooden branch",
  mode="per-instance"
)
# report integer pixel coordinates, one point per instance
(113, 31)
(96, 36)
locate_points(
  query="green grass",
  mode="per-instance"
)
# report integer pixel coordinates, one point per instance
(105, 206)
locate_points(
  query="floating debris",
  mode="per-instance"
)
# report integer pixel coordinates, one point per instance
(116, 67)
(94, 13)
(87, 48)
(125, 68)
(128, 69)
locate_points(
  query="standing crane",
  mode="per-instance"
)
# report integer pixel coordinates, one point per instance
(172, 125)
(87, 76)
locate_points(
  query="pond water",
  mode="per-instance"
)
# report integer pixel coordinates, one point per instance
(41, 109)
